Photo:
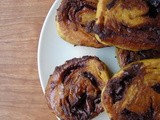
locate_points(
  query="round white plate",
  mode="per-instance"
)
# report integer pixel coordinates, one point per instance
(53, 51)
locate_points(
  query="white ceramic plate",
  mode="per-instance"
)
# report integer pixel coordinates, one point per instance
(53, 51)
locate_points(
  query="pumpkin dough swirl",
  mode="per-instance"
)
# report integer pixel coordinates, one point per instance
(128, 24)
(134, 92)
(74, 89)
(72, 21)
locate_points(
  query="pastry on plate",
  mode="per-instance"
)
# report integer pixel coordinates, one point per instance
(72, 21)
(126, 56)
(74, 89)
(128, 24)
(134, 92)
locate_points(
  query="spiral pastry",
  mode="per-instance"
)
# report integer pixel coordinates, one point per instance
(73, 17)
(128, 24)
(126, 56)
(74, 89)
(134, 92)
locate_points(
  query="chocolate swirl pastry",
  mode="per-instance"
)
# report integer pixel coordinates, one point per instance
(126, 56)
(128, 24)
(134, 92)
(74, 89)
(73, 17)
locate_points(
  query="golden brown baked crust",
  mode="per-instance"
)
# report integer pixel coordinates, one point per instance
(126, 56)
(134, 92)
(128, 24)
(72, 18)
(74, 89)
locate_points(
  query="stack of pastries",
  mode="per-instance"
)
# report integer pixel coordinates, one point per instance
(82, 88)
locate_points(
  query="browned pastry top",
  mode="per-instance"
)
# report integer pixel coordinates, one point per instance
(72, 18)
(128, 24)
(70, 10)
(134, 92)
(125, 56)
(73, 91)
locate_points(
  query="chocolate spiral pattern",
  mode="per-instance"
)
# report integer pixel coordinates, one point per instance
(128, 24)
(74, 89)
(126, 56)
(73, 17)
(134, 92)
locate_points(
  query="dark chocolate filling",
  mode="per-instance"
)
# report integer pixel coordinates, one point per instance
(131, 56)
(69, 9)
(148, 54)
(89, 26)
(65, 106)
(156, 88)
(117, 86)
(78, 109)
(129, 115)
(80, 101)
(154, 8)
(70, 69)
(83, 105)
(111, 4)
(91, 77)
(103, 32)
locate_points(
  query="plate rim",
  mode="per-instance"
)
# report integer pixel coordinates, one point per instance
(40, 43)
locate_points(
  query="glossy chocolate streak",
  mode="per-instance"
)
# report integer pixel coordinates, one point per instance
(129, 115)
(117, 86)
(111, 4)
(77, 109)
(69, 9)
(154, 6)
(91, 77)
(85, 106)
(149, 34)
(65, 106)
(70, 69)
(149, 54)
(103, 32)
(156, 88)
(126, 56)
(89, 26)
